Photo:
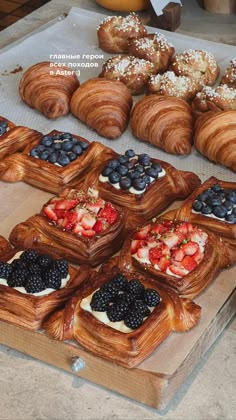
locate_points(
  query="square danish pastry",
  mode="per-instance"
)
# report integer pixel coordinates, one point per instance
(213, 206)
(178, 254)
(143, 185)
(33, 284)
(52, 161)
(123, 317)
(79, 225)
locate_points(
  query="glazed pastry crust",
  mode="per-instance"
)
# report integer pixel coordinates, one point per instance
(127, 349)
(218, 255)
(215, 137)
(10, 126)
(225, 230)
(221, 98)
(132, 71)
(114, 32)
(48, 93)
(153, 47)
(174, 185)
(15, 140)
(31, 311)
(197, 64)
(229, 76)
(164, 121)
(45, 175)
(104, 105)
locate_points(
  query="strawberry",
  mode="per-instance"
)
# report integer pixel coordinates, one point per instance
(198, 256)
(164, 263)
(88, 233)
(66, 204)
(185, 228)
(171, 239)
(95, 206)
(78, 230)
(199, 237)
(69, 220)
(190, 248)
(136, 244)
(99, 226)
(155, 254)
(143, 253)
(143, 232)
(177, 254)
(189, 263)
(158, 229)
(88, 221)
(177, 270)
(108, 213)
(50, 213)
(60, 213)
(80, 212)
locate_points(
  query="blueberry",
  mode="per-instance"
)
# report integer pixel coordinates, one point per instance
(216, 188)
(130, 153)
(63, 160)
(114, 177)
(122, 170)
(139, 168)
(228, 205)
(114, 163)
(151, 172)
(231, 196)
(2, 130)
(131, 164)
(72, 156)
(46, 141)
(134, 174)
(52, 158)
(234, 211)
(144, 159)
(139, 184)
(203, 196)
(157, 166)
(84, 145)
(77, 149)
(40, 148)
(34, 152)
(107, 171)
(56, 137)
(220, 211)
(147, 179)
(64, 136)
(215, 200)
(44, 155)
(197, 205)
(206, 210)
(231, 218)
(74, 140)
(125, 183)
(123, 159)
(4, 124)
(67, 145)
(57, 146)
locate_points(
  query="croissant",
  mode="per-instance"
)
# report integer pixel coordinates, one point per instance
(229, 76)
(48, 90)
(24, 299)
(215, 137)
(77, 225)
(144, 186)
(129, 338)
(212, 206)
(166, 122)
(103, 105)
(221, 98)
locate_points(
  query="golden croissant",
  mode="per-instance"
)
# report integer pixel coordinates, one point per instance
(215, 137)
(166, 122)
(47, 89)
(103, 105)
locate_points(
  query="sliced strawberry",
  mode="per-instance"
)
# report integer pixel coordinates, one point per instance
(78, 230)
(190, 248)
(199, 237)
(158, 229)
(95, 205)
(88, 233)
(136, 244)
(185, 228)
(88, 221)
(80, 212)
(177, 254)
(198, 256)
(108, 213)
(99, 226)
(171, 239)
(155, 254)
(70, 220)
(60, 213)
(164, 263)
(143, 232)
(189, 263)
(143, 253)
(66, 204)
(177, 270)
(50, 213)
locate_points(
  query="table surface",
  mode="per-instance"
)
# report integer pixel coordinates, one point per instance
(31, 389)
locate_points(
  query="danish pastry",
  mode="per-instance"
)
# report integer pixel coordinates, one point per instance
(114, 32)
(154, 48)
(168, 84)
(132, 71)
(47, 90)
(52, 161)
(132, 180)
(213, 206)
(5, 126)
(78, 225)
(215, 137)
(178, 253)
(221, 98)
(14, 139)
(164, 121)
(103, 105)
(123, 317)
(197, 64)
(34, 284)
(229, 76)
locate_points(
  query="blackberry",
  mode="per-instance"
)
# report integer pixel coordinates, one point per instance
(133, 320)
(44, 261)
(151, 297)
(141, 307)
(111, 289)
(29, 255)
(135, 288)
(5, 270)
(117, 311)
(120, 281)
(34, 268)
(62, 266)
(125, 297)
(19, 264)
(34, 284)
(100, 301)
(18, 278)
(52, 278)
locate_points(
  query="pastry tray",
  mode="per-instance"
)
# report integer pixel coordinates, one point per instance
(155, 381)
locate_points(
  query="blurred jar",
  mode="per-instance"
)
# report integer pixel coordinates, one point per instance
(124, 5)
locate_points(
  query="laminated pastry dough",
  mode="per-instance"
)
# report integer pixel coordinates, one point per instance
(48, 89)
(30, 310)
(113, 340)
(178, 254)
(220, 98)
(165, 184)
(205, 203)
(37, 167)
(104, 105)
(164, 121)
(5, 126)
(77, 224)
(114, 32)
(215, 137)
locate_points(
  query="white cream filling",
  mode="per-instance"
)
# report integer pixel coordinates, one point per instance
(213, 216)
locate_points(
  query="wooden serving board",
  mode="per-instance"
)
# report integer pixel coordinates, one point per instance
(155, 381)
